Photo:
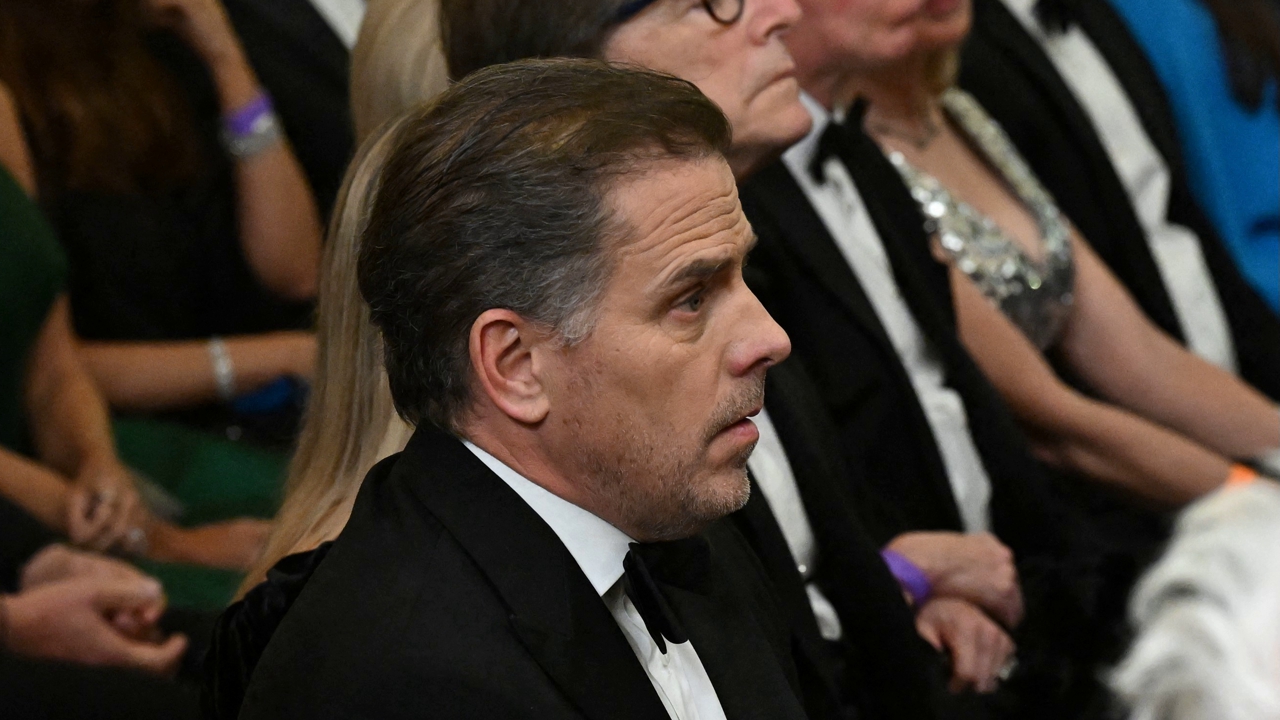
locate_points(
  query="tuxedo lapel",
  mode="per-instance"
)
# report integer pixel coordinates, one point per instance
(1004, 31)
(810, 240)
(749, 680)
(1128, 61)
(555, 612)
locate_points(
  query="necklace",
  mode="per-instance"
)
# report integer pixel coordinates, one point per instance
(920, 141)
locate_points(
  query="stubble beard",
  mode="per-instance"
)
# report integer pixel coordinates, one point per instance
(659, 489)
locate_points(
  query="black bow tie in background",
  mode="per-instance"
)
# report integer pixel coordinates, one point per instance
(835, 139)
(1056, 15)
(679, 563)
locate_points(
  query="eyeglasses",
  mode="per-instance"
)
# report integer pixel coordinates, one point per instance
(725, 12)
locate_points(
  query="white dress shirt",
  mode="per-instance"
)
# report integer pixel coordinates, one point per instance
(678, 676)
(1146, 178)
(840, 206)
(344, 16)
(777, 481)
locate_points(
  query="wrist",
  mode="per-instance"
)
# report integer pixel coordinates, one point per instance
(913, 581)
(234, 78)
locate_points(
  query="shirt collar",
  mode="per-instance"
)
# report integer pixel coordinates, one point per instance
(597, 546)
(801, 154)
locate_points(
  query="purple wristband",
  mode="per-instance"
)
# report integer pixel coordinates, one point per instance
(909, 576)
(243, 122)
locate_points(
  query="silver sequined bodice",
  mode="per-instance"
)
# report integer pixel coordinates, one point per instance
(1035, 295)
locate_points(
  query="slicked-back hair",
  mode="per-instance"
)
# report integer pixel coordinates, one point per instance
(480, 33)
(495, 196)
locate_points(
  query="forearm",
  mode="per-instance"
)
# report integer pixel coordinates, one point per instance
(69, 420)
(1115, 446)
(168, 375)
(279, 225)
(1176, 389)
(38, 490)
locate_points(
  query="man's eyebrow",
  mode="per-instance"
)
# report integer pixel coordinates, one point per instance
(699, 270)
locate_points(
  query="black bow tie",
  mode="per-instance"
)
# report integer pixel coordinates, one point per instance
(1056, 15)
(679, 563)
(835, 140)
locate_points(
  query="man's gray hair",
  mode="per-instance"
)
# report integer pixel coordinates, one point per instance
(1208, 615)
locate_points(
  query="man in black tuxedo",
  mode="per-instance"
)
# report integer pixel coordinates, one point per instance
(843, 263)
(554, 260)
(302, 57)
(1078, 97)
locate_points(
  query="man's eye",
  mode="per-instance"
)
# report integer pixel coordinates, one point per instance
(694, 302)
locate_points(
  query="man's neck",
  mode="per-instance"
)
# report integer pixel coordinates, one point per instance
(897, 93)
(519, 449)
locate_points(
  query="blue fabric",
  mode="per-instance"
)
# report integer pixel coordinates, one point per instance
(1232, 154)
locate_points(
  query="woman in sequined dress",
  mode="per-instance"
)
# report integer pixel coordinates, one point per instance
(1028, 290)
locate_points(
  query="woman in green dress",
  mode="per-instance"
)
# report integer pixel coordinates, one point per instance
(57, 455)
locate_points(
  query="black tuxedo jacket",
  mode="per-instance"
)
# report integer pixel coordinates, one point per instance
(304, 66)
(446, 596)
(1073, 587)
(801, 276)
(1004, 67)
(881, 666)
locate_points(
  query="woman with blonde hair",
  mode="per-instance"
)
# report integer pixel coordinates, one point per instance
(1156, 422)
(350, 423)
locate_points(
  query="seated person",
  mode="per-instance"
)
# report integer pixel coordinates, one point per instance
(1082, 104)
(1162, 423)
(192, 239)
(57, 457)
(535, 551)
(1208, 634)
(339, 444)
(301, 51)
(80, 634)
(1218, 62)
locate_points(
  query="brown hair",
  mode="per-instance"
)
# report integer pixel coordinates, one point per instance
(1250, 34)
(101, 113)
(494, 197)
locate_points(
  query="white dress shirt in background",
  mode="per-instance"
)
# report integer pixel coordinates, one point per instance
(678, 676)
(840, 206)
(769, 465)
(1147, 180)
(344, 16)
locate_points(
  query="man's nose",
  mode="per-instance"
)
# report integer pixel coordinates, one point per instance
(764, 344)
(773, 16)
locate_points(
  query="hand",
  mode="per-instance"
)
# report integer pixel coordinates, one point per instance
(60, 562)
(980, 650)
(203, 24)
(976, 568)
(94, 621)
(105, 511)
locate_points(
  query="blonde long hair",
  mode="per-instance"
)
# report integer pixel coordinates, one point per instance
(350, 423)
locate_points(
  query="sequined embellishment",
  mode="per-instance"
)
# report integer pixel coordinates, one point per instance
(1035, 295)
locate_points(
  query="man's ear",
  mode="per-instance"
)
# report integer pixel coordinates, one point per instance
(504, 357)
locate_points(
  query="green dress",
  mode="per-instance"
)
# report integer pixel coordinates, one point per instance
(212, 479)
(33, 272)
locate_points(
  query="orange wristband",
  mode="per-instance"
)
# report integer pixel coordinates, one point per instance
(1240, 476)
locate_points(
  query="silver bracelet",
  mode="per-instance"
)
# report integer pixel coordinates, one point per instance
(252, 129)
(224, 372)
